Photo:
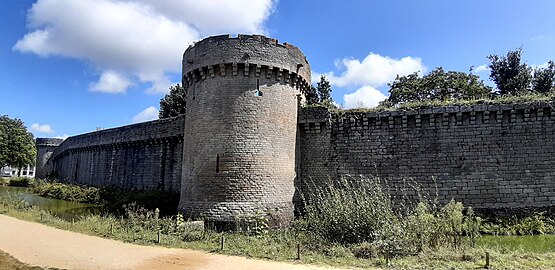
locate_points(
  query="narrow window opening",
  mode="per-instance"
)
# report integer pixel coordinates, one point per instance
(217, 163)
(257, 93)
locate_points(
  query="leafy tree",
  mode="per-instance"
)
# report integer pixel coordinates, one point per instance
(510, 75)
(436, 85)
(173, 104)
(17, 145)
(544, 79)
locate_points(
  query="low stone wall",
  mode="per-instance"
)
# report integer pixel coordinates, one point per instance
(495, 158)
(144, 156)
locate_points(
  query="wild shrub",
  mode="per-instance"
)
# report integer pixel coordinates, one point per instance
(20, 181)
(360, 213)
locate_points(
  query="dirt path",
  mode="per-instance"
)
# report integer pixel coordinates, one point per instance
(44, 246)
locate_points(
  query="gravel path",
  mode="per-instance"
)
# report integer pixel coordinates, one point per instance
(40, 245)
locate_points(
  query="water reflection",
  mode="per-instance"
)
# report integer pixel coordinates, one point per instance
(64, 209)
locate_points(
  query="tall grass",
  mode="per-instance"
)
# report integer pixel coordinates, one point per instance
(360, 212)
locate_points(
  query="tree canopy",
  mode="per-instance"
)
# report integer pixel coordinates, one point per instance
(436, 85)
(173, 103)
(543, 80)
(511, 76)
(321, 94)
(17, 145)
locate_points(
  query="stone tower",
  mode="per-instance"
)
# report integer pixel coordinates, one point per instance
(45, 148)
(240, 129)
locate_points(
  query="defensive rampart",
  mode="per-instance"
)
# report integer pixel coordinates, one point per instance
(491, 157)
(144, 156)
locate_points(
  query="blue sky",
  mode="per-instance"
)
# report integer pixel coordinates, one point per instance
(68, 67)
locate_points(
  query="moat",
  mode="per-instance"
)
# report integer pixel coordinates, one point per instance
(63, 209)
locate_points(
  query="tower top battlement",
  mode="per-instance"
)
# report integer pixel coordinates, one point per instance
(246, 49)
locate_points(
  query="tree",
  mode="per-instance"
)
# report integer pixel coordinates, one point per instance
(510, 75)
(323, 88)
(17, 145)
(311, 95)
(544, 79)
(436, 85)
(173, 103)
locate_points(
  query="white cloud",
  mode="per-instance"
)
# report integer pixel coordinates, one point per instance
(110, 82)
(140, 40)
(42, 128)
(150, 113)
(374, 70)
(481, 68)
(365, 97)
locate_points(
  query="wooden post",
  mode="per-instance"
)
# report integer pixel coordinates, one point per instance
(158, 241)
(487, 260)
(222, 243)
(298, 251)
(41, 216)
(72, 221)
(111, 228)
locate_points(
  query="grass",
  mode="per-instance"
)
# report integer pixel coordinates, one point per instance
(16, 181)
(8, 262)
(508, 99)
(113, 199)
(140, 226)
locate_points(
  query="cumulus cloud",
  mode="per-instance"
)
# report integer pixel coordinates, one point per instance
(42, 128)
(150, 113)
(110, 82)
(364, 97)
(374, 70)
(134, 41)
(369, 74)
(481, 68)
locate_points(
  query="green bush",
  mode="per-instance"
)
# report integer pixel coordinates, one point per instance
(20, 181)
(67, 192)
(360, 213)
(534, 224)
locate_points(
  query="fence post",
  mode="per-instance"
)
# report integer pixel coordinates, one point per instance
(298, 251)
(487, 260)
(158, 237)
(222, 243)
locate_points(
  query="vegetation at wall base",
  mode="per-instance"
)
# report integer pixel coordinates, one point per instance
(114, 199)
(140, 226)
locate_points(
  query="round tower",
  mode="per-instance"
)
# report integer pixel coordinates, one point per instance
(240, 128)
(45, 148)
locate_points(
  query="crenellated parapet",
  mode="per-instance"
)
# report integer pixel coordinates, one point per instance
(278, 74)
(312, 119)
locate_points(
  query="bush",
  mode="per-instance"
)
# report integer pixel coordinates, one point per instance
(20, 181)
(360, 213)
(68, 192)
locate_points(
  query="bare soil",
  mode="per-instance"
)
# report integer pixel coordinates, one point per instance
(39, 245)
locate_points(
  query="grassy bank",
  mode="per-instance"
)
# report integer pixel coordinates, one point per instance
(113, 199)
(16, 181)
(8, 262)
(335, 233)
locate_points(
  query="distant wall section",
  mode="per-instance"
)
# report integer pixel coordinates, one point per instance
(491, 157)
(144, 156)
(45, 148)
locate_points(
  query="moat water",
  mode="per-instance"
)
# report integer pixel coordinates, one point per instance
(63, 209)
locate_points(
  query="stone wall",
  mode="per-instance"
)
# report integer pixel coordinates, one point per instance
(490, 157)
(45, 148)
(144, 156)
